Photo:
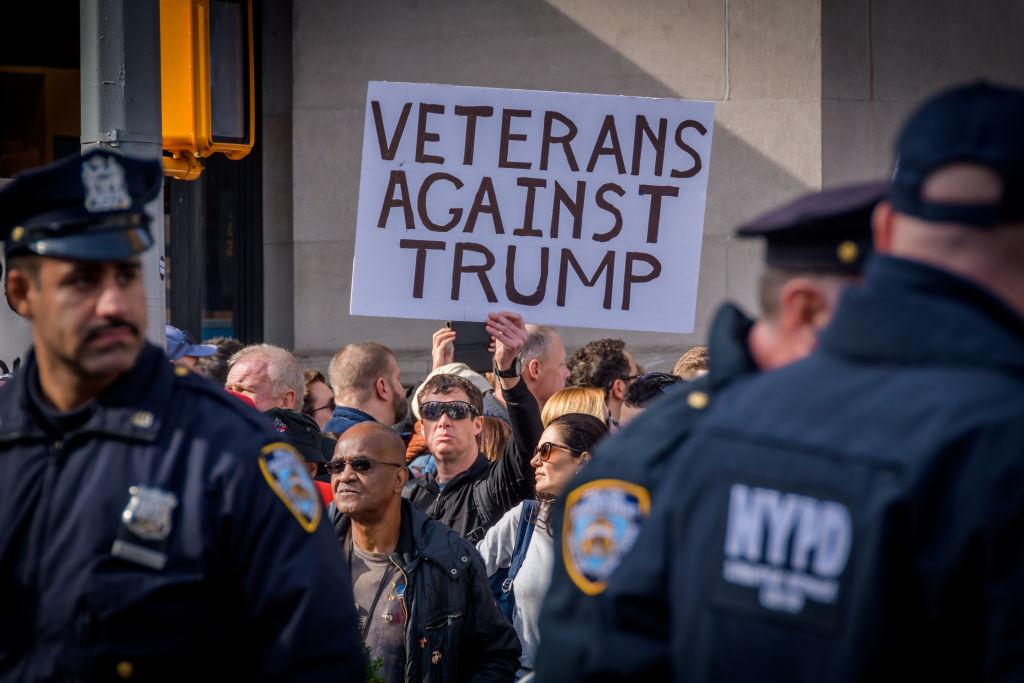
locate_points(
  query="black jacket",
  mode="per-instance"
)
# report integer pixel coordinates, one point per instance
(583, 634)
(474, 500)
(455, 631)
(858, 515)
(146, 538)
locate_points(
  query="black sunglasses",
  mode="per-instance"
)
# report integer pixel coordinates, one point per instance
(544, 450)
(455, 410)
(359, 464)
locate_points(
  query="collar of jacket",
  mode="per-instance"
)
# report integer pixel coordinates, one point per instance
(418, 539)
(668, 420)
(730, 354)
(130, 408)
(909, 312)
(479, 465)
(344, 417)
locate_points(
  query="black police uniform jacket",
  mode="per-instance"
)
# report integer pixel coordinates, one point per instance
(859, 515)
(474, 500)
(584, 633)
(454, 630)
(141, 538)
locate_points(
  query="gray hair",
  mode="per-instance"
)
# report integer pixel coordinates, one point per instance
(537, 341)
(283, 370)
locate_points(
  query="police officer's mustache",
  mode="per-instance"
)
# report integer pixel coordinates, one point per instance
(109, 326)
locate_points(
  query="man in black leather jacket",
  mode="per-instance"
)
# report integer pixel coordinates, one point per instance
(422, 595)
(467, 492)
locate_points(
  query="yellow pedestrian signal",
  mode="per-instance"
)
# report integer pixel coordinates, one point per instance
(207, 86)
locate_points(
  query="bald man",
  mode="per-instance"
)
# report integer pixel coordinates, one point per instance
(421, 591)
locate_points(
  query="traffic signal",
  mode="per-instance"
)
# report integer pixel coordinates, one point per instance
(207, 85)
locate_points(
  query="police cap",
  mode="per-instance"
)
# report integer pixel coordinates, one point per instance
(88, 207)
(827, 231)
(978, 123)
(300, 431)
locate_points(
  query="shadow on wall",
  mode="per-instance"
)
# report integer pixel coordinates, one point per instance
(533, 45)
(881, 58)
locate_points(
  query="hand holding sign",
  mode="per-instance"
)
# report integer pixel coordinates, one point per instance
(509, 333)
(442, 350)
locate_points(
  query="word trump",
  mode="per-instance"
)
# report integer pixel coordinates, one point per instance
(532, 199)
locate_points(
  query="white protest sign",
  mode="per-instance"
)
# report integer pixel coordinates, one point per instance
(572, 209)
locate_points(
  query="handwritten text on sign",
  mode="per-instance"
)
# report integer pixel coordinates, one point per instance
(579, 210)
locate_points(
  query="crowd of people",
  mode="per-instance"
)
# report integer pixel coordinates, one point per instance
(828, 492)
(468, 449)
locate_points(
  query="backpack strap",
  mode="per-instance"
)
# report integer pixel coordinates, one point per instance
(527, 522)
(484, 513)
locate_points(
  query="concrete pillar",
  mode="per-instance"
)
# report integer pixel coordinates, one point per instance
(120, 43)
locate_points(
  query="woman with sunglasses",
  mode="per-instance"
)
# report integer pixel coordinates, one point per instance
(565, 447)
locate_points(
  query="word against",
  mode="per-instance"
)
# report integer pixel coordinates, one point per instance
(791, 548)
(573, 209)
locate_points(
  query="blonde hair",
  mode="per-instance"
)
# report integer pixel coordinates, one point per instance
(586, 400)
(692, 364)
(493, 437)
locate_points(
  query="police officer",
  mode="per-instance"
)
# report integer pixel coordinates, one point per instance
(857, 515)
(603, 599)
(151, 527)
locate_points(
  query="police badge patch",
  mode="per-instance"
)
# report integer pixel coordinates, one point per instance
(602, 521)
(285, 473)
(148, 513)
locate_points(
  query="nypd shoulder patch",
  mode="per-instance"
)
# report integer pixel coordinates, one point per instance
(283, 469)
(602, 521)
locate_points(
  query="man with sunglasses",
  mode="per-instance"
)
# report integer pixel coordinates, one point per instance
(424, 602)
(467, 492)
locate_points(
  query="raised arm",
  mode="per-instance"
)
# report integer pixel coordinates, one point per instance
(509, 332)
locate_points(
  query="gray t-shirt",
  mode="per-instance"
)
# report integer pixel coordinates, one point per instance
(375, 579)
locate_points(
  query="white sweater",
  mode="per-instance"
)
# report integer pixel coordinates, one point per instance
(531, 582)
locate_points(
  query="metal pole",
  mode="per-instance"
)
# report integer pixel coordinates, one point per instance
(120, 43)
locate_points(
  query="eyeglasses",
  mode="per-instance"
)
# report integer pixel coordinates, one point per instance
(544, 450)
(330, 405)
(359, 464)
(455, 410)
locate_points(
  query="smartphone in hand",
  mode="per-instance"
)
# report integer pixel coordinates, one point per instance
(471, 345)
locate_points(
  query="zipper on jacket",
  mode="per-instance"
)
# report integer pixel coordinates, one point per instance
(445, 621)
(39, 526)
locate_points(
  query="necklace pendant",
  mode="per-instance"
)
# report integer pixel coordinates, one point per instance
(388, 617)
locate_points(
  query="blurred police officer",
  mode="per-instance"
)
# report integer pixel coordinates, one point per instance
(858, 515)
(605, 600)
(150, 527)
